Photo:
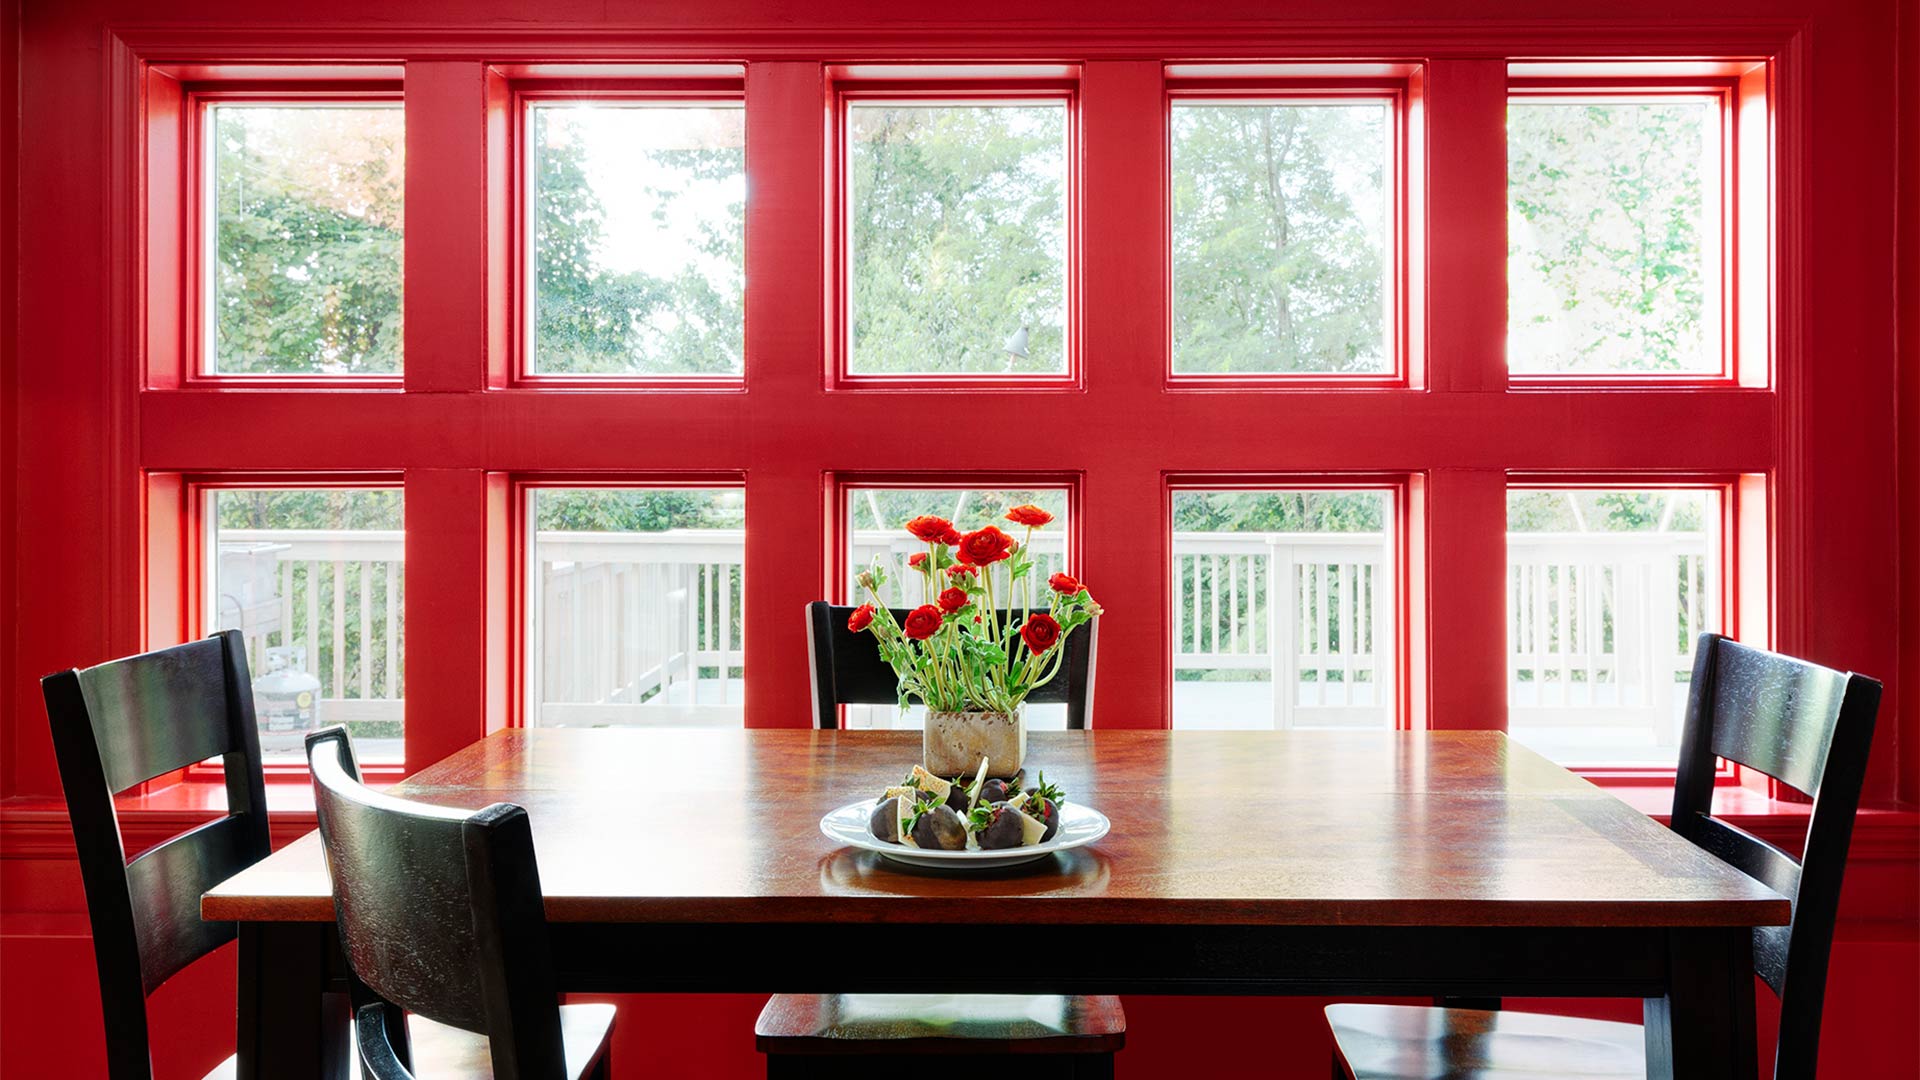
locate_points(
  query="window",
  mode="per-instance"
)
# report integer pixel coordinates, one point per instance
(1606, 591)
(876, 535)
(958, 235)
(634, 602)
(302, 210)
(1283, 235)
(636, 221)
(315, 580)
(1614, 235)
(1284, 613)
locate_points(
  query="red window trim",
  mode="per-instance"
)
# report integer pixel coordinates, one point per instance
(1278, 84)
(197, 487)
(691, 88)
(521, 645)
(1734, 370)
(997, 83)
(192, 370)
(1732, 546)
(1399, 488)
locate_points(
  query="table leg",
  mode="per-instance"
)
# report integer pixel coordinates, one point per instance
(1703, 1029)
(290, 1026)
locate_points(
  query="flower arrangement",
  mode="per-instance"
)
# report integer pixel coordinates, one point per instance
(958, 652)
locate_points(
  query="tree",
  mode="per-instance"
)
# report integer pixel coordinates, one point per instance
(1280, 218)
(959, 237)
(593, 318)
(307, 205)
(1605, 237)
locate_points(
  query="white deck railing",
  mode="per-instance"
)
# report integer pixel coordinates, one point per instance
(647, 627)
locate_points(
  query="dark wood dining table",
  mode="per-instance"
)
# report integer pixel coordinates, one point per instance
(1260, 863)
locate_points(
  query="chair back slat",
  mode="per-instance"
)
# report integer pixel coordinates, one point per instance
(1812, 728)
(848, 670)
(162, 711)
(1747, 853)
(115, 725)
(1786, 712)
(440, 913)
(165, 884)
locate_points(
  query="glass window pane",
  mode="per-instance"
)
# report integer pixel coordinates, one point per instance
(1281, 226)
(638, 223)
(315, 579)
(1613, 236)
(1606, 591)
(876, 533)
(634, 601)
(1283, 609)
(959, 235)
(303, 218)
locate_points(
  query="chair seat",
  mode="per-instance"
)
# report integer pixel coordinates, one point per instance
(940, 1023)
(1402, 1042)
(448, 1053)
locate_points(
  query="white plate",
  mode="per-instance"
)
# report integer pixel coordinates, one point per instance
(1079, 826)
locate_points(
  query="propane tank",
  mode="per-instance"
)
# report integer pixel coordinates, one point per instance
(286, 698)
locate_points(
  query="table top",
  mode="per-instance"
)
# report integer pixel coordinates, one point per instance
(1281, 828)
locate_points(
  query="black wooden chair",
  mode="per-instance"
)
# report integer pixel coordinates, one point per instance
(1807, 726)
(847, 669)
(116, 726)
(840, 1035)
(440, 915)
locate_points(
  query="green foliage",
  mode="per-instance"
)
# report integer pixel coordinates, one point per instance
(1279, 511)
(595, 318)
(1280, 227)
(307, 205)
(959, 237)
(1577, 511)
(621, 510)
(1607, 236)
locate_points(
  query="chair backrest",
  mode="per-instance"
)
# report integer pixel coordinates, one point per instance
(1809, 727)
(847, 669)
(116, 726)
(439, 913)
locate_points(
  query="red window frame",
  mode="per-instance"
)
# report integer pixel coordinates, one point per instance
(956, 85)
(1743, 556)
(462, 427)
(1398, 86)
(1744, 352)
(195, 533)
(520, 530)
(844, 484)
(1400, 490)
(690, 85)
(199, 98)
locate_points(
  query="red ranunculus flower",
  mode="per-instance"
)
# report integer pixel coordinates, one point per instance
(952, 600)
(951, 537)
(1064, 584)
(861, 617)
(929, 529)
(921, 622)
(918, 560)
(1029, 515)
(1040, 632)
(960, 570)
(984, 547)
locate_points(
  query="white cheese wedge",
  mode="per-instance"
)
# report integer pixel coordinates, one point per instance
(904, 811)
(1031, 829)
(931, 784)
(979, 781)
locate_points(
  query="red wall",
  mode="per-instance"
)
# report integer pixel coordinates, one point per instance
(66, 425)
